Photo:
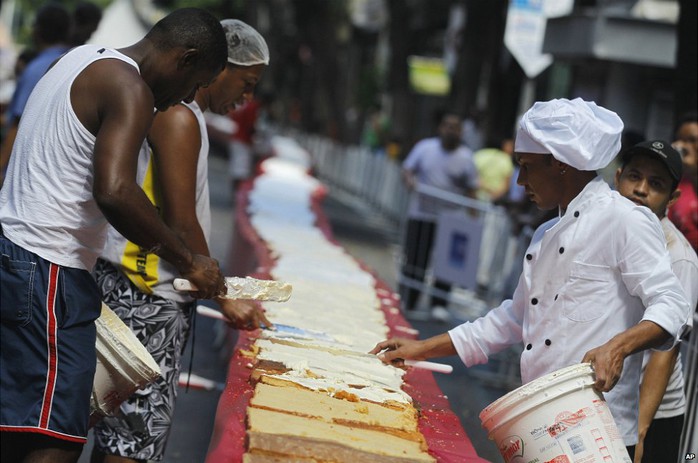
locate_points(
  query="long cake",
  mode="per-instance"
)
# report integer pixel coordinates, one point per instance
(318, 396)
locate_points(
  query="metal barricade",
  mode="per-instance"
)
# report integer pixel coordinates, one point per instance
(375, 180)
(495, 259)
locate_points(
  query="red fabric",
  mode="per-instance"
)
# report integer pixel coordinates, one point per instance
(684, 213)
(245, 118)
(441, 428)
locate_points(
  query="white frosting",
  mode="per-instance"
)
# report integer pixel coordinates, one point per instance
(355, 369)
(371, 393)
(332, 295)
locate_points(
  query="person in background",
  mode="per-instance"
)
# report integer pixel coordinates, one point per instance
(50, 33)
(648, 176)
(597, 284)
(441, 162)
(21, 62)
(73, 171)
(684, 212)
(494, 168)
(137, 285)
(86, 19)
(241, 147)
(376, 130)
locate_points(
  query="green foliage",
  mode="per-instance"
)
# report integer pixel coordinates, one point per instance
(220, 8)
(25, 10)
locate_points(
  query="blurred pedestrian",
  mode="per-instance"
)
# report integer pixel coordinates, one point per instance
(494, 168)
(648, 176)
(137, 285)
(21, 62)
(684, 213)
(50, 36)
(72, 172)
(376, 131)
(597, 284)
(241, 148)
(441, 162)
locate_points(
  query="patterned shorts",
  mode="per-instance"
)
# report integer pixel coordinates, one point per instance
(139, 430)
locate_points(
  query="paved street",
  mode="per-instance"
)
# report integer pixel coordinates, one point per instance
(196, 409)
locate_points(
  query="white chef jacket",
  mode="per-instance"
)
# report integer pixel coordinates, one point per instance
(588, 275)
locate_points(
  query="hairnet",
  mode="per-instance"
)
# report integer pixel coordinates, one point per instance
(576, 132)
(246, 47)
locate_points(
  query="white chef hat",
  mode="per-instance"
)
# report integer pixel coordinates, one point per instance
(576, 132)
(246, 46)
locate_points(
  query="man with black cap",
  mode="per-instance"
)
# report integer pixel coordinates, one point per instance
(597, 284)
(649, 175)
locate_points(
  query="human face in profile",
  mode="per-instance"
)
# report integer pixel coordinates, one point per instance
(646, 181)
(537, 175)
(233, 87)
(184, 88)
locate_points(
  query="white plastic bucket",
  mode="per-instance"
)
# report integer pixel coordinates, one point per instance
(123, 365)
(558, 418)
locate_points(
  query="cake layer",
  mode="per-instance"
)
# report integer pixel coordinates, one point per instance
(300, 437)
(397, 400)
(270, 457)
(322, 406)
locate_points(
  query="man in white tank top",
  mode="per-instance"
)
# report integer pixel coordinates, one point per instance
(137, 285)
(72, 170)
(649, 176)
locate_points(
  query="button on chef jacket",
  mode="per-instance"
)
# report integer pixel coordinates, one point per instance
(596, 271)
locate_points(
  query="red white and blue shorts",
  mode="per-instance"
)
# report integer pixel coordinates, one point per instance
(47, 345)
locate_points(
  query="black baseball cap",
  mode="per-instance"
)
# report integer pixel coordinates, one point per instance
(661, 150)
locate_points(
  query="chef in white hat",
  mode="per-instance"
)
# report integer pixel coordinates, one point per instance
(597, 284)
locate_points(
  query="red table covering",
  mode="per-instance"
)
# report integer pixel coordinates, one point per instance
(446, 439)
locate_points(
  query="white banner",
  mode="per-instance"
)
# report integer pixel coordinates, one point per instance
(457, 249)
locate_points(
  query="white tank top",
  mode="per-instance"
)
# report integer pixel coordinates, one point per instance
(148, 272)
(46, 203)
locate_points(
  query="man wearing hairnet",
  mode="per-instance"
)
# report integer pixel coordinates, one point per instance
(172, 169)
(597, 284)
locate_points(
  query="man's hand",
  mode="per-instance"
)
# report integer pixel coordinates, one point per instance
(395, 350)
(206, 275)
(410, 179)
(607, 362)
(243, 315)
